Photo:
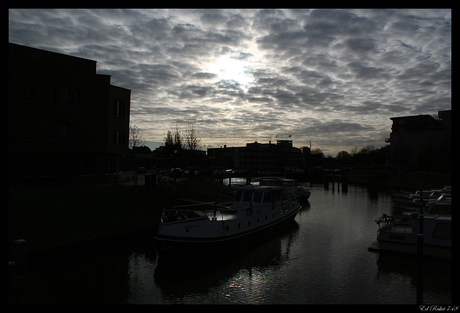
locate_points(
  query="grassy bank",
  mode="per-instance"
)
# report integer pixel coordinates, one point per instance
(52, 218)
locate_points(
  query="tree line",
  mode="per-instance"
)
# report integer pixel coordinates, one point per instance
(364, 156)
(187, 140)
(344, 155)
(175, 139)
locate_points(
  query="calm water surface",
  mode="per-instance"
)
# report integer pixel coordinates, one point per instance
(322, 258)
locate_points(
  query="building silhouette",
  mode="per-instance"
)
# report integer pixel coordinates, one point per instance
(65, 121)
(421, 141)
(269, 158)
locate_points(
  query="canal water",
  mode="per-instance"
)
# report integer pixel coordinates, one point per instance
(321, 258)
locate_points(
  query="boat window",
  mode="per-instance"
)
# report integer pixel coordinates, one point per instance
(247, 196)
(277, 195)
(268, 197)
(442, 231)
(258, 196)
(284, 196)
(238, 195)
(441, 209)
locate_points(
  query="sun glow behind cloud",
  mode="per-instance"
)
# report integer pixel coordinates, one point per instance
(228, 68)
(332, 77)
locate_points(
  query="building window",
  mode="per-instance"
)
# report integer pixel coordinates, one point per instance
(109, 166)
(52, 131)
(119, 108)
(52, 95)
(64, 133)
(29, 93)
(76, 132)
(116, 108)
(64, 96)
(76, 98)
(117, 138)
(29, 131)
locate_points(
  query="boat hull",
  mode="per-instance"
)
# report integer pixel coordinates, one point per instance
(412, 249)
(402, 236)
(252, 230)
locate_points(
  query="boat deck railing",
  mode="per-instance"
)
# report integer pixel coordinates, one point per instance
(403, 224)
(214, 211)
(192, 211)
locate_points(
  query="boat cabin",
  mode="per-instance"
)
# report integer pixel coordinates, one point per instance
(244, 197)
(262, 198)
(278, 182)
(258, 197)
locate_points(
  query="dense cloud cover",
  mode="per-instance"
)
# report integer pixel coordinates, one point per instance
(332, 77)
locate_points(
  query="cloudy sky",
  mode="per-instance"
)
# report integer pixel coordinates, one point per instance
(332, 77)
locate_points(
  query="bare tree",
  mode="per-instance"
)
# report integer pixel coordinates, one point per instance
(192, 142)
(135, 137)
(367, 149)
(317, 151)
(343, 155)
(177, 137)
(354, 150)
(174, 138)
(169, 141)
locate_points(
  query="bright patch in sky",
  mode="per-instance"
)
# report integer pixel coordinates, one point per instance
(227, 68)
(330, 77)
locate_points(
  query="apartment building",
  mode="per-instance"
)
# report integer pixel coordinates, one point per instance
(421, 141)
(65, 121)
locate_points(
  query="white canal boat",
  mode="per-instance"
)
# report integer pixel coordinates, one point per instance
(254, 210)
(304, 193)
(399, 234)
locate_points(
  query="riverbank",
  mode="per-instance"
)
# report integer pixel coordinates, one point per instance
(397, 180)
(53, 219)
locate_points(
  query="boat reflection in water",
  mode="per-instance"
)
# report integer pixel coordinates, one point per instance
(178, 275)
(203, 244)
(436, 273)
(320, 257)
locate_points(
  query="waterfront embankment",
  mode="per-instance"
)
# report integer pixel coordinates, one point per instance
(400, 179)
(54, 219)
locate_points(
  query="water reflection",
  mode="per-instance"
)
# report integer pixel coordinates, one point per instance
(321, 258)
(437, 277)
(156, 280)
(202, 274)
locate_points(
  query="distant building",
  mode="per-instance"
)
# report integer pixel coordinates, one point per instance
(138, 157)
(421, 141)
(64, 120)
(281, 157)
